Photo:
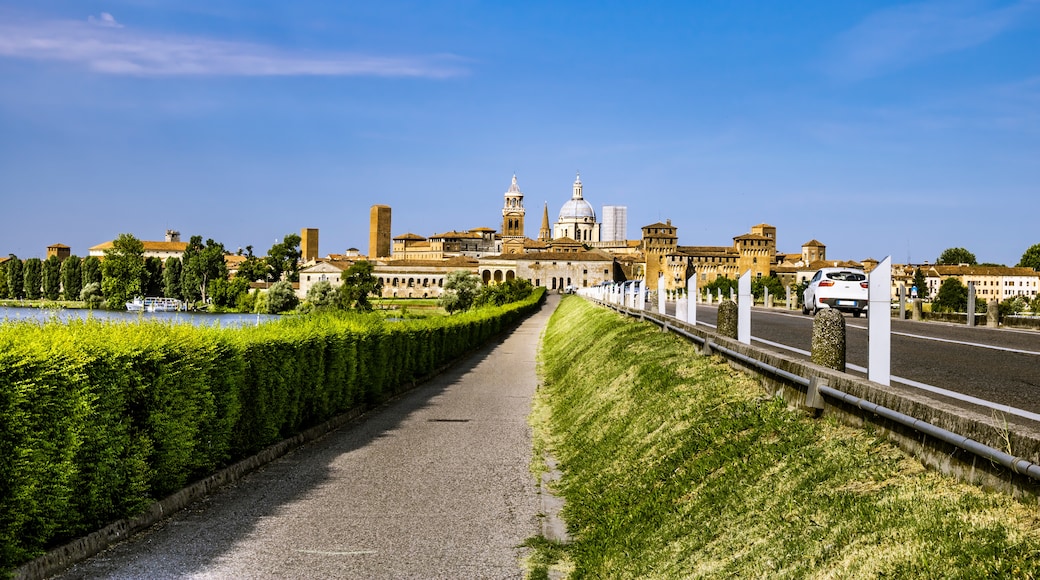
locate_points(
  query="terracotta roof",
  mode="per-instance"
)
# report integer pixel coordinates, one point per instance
(707, 250)
(584, 256)
(470, 235)
(658, 225)
(752, 237)
(149, 246)
(410, 236)
(455, 262)
(984, 271)
(813, 244)
(57, 246)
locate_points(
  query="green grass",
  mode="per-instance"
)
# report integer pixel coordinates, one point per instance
(676, 466)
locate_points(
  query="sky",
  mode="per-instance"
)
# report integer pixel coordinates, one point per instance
(877, 128)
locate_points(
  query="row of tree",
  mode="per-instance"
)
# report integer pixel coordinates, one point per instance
(955, 256)
(53, 279)
(200, 275)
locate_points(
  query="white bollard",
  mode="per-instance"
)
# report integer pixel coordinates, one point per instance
(879, 323)
(691, 307)
(680, 309)
(662, 295)
(744, 308)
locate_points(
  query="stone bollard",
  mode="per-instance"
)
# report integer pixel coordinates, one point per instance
(727, 319)
(769, 301)
(828, 339)
(918, 313)
(993, 313)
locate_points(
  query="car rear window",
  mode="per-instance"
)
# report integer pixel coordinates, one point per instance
(847, 276)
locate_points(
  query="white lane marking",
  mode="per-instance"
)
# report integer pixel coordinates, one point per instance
(332, 553)
(926, 387)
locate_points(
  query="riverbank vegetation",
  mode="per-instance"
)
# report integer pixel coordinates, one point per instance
(100, 419)
(676, 466)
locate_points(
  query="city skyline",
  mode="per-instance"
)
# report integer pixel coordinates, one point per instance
(885, 129)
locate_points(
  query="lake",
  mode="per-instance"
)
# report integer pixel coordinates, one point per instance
(197, 318)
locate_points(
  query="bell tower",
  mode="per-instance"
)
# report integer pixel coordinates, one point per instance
(513, 212)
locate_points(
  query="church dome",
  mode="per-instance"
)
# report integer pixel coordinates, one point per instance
(576, 209)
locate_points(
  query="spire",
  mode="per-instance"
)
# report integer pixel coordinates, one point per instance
(514, 188)
(577, 187)
(545, 234)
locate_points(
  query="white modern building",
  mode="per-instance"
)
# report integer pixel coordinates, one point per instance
(615, 223)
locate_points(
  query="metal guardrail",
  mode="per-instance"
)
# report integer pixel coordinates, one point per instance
(1015, 464)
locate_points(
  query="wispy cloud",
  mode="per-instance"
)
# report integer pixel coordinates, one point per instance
(899, 37)
(102, 44)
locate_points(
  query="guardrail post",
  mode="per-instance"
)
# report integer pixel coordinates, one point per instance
(879, 325)
(828, 339)
(993, 314)
(971, 304)
(744, 309)
(727, 322)
(813, 398)
(706, 347)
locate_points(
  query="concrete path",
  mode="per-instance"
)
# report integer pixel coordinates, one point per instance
(435, 485)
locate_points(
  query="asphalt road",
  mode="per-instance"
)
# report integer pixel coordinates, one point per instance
(998, 365)
(434, 485)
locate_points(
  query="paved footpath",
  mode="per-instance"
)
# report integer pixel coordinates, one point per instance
(435, 485)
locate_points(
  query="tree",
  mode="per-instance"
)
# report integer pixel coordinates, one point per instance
(921, 283)
(952, 297)
(91, 268)
(225, 293)
(172, 277)
(284, 258)
(202, 263)
(955, 256)
(52, 277)
(33, 278)
(253, 268)
(321, 294)
(1031, 258)
(721, 283)
(71, 277)
(15, 280)
(460, 291)
(91, 294)
(759, 285)
(121, 271)
(358, 284)
(281, 297)
(3, 281)
(509, 291)
(152, 277)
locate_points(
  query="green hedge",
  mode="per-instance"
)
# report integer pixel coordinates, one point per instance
(100, 419)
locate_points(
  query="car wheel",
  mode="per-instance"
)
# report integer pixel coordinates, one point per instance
(856, 313)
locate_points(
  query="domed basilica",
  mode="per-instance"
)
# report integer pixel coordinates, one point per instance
(577, 218)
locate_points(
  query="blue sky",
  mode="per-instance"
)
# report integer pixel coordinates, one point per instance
(877, 128)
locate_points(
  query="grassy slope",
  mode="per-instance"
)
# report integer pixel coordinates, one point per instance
(676, 466)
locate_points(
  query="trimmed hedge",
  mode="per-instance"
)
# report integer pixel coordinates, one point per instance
(101, 419)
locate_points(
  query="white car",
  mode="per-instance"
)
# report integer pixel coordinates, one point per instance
(843, 289)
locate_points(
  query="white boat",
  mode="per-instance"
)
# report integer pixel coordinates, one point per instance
(153, 304)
